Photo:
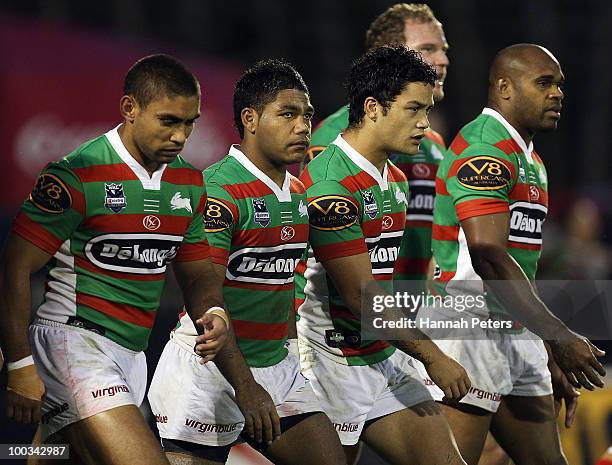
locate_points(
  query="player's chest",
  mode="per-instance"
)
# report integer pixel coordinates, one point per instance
(275, 221)
(528, 203)
(128, 205)
(382, 210)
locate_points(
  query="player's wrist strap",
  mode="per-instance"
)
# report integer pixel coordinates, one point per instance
(24, 362)
(220, 313)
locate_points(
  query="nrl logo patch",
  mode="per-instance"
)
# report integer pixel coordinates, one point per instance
(369, 204)
(115, 198)
(261, 215)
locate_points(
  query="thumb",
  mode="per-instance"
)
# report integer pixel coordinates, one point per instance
(596, 350)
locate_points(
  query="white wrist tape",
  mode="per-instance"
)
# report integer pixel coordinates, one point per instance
(24, 362)
(220, 313)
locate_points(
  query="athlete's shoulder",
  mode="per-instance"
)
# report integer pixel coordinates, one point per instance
(92, 152)
(329, 165)
(223, 171)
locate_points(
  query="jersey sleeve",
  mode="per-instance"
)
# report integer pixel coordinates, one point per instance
(195, 244)
(480, 181)
(54, 208)
(335, 223)
(221, 217)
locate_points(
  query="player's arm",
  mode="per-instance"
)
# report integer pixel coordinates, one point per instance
(486, 237)
(20, 259)
(203, 296)
(348, 273)
(339, 244)
(221, 218)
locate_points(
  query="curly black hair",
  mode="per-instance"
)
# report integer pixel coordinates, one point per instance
(260, 84)
(382, 73)
(160, 75)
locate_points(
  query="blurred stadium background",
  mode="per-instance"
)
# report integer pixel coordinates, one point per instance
(62, 64)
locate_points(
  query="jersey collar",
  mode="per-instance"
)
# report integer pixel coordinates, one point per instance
(152, 182)
(513, 132)
(283, 195)
(363, 163)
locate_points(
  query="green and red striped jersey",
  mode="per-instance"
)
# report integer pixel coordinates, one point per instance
(352, 209)
(112, 229)
(258, 231)
(420, 170)
(488, 169)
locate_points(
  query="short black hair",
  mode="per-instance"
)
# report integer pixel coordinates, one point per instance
(383, 73)
(156, 76)
(260, 84)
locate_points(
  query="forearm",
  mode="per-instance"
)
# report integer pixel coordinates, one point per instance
(232, 365)
(512, 288)
(201, 288)
(15, 309)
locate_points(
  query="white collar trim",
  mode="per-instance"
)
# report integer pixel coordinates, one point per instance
(283, 195)
(513, 132)
(363, 163)
(152, 182)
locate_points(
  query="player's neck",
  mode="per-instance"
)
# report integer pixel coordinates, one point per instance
(368, 146)
(275, 172)
(149, 165)
(522, 131)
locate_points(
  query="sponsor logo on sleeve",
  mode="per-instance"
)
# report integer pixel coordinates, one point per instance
(332, 213)
(115, 199)
(51, 194)
(217, 216)
(484, 173)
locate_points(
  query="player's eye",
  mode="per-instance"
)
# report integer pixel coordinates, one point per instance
(288, 114)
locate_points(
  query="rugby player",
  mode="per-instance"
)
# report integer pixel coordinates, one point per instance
(257, 225)
(414, 26)
(357, 212)
(491, 200)
(106, 221)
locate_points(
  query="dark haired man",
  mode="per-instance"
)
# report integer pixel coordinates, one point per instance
(357, 212)
(257, 225)
(492, 198)
(106, 220)
(415, 26)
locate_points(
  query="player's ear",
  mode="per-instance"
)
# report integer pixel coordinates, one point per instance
(128, 108)
(371, 108)
(504, 88)
(250, 119)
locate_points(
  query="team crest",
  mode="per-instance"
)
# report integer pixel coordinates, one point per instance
(303, 209)
(115, 198)
(369, 204)
(261, 214)
(400, 196)
(177, 202)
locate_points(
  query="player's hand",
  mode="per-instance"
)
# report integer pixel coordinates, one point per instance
(563, 391)
(577, 357)
(215, 335)
(261, 418)
(449, 376)
(23, 395)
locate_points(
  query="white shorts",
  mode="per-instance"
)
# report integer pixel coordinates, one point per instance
(497, 363)
(195, 403)
(84, 374)
(352, 395)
